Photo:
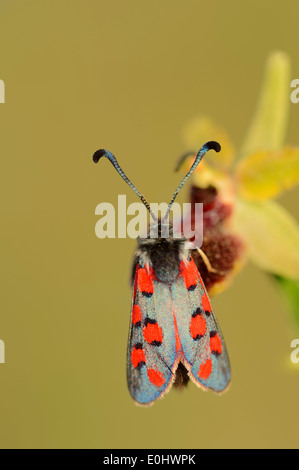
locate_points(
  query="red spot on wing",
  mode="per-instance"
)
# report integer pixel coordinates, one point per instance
(190, 274)
(137, 356)
(153, 333)
(198, 326)
(215, 344)
(145, 281)
(156, 377)
(205, 369)
(136, 314)
(206, 303)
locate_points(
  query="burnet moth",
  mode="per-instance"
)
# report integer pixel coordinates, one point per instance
(173, 332)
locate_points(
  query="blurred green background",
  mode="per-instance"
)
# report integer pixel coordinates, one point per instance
(127, 76)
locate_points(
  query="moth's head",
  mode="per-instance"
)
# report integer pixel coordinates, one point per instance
(157, 230)
(160, 232)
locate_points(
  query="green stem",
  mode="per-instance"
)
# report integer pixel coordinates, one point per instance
(289, 290)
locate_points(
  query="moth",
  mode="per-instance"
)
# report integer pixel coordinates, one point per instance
(173, 332)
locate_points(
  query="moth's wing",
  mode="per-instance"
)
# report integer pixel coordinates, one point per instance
(151, 360)
(203, 348)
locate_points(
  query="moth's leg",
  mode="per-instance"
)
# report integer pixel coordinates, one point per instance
(207, 262)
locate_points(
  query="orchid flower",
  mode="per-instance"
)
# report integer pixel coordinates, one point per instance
(241, 218)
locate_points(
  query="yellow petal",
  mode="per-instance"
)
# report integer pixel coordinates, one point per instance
(268, 128)
(202, 129)
(271, 235)
(207, 175)
(265, 175)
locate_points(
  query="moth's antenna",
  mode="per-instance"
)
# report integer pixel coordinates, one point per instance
(212, 145)
(182, 159)
(105, 153)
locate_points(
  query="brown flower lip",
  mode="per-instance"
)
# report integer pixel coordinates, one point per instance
(223, 248)
(214, 210)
